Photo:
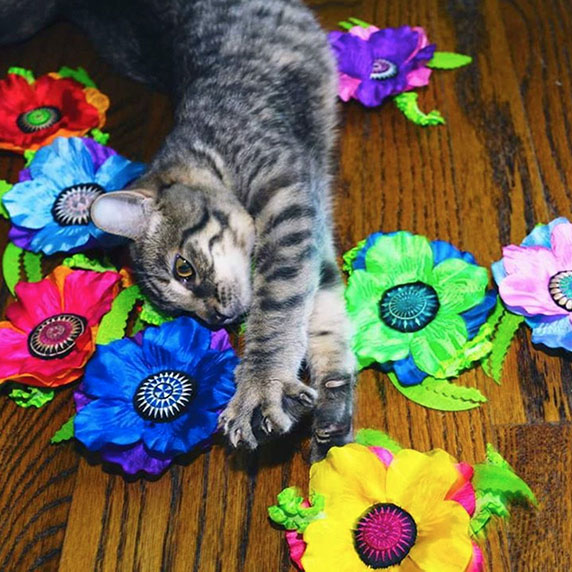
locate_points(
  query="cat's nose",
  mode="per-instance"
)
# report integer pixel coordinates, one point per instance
(219, 317)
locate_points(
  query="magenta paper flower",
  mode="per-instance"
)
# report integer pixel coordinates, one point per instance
(535, 281)
(374, 64)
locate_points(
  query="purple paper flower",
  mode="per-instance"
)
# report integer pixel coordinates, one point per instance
(375, 64)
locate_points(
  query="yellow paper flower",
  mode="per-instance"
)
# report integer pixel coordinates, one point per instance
(393, 518)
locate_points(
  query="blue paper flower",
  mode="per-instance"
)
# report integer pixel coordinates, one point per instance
(405, 369)
(50, 207)
(165, 393)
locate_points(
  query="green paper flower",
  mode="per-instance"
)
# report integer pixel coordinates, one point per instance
(403, 304)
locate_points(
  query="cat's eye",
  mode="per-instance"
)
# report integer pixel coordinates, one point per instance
(183, 268)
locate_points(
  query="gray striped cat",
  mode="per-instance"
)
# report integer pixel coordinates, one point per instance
(242, 180)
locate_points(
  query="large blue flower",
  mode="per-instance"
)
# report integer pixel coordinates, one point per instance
(51, 203)
(405, 369)
(165, 393)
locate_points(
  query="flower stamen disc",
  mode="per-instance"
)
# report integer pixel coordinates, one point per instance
(409, 307)
(165, 395)
(383, 69)
(55, 337)
(39, 118)
(384, 535)
(560, 288)
(72, 205)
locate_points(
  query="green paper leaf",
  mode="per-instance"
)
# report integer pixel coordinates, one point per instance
(26, 74)
(358, 22)
(488, 505)
(502, 340)
(29, 155)
(113, 325)
(407, 104)
(502, 482)
(79, 74)
(65, 432)
(440, 394)
(11, 266)
(345, 25)
(351, 255)
(83, 262)
(375, 438)
(27, 396)
(99, 136)
(32, 266)
(449, 61)
(495, 458)
(152, 315)
(5, 186)
(290, 513)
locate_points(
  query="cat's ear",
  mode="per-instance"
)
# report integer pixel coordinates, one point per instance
(125, 213)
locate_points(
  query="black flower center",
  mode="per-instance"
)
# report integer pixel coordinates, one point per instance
(409, 307)
(384, 535)
(55, 337)
(165, 395)
(39, 118)
(383, 69)
(72, 205)
(560, 288)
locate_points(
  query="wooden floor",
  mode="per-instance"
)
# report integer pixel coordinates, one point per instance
(502, 163)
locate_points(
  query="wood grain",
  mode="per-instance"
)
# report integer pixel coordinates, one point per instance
(502, 163)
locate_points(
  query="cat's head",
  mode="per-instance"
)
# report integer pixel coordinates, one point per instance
(191, 248)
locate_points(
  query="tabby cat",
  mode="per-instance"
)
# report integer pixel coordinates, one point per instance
(243, 180)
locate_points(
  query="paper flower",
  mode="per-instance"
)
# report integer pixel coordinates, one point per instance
(142, 405)
(33, 112)
(50, 206)
(535, 281)
(50, 331)
(414, 303)
(375, 64)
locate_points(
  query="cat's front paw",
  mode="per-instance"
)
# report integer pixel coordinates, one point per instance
(269, 408)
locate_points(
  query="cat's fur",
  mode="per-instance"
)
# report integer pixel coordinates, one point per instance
(245, 172)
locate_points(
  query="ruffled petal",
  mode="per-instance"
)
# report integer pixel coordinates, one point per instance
(54, 238)
(395, 44)
(30, 203)
(529, 295)
(117, 172)
(36, 302)
(372, 93)
(407, 372)
(540, 235)
(556, 333)
(442, 250)
(561, 241)
(530, 261)
(353, 55)
(477, 316)
(135, 459)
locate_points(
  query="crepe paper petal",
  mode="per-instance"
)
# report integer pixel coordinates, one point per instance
(79, 74)
(449, 61)
(4, 188)
(84, 262)
(32, 266)
(64, 433)
(28, 75)
(114, 323)
(152, 315)
(11, 266)
(31, 396)
(407, 104)
(292, 511)
(375, 438)
(440, 394)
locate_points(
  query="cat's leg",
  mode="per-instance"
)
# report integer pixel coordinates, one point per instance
(331, 362)
(270, 397)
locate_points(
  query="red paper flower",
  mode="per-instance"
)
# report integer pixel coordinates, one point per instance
(51, 329)
(34, 113)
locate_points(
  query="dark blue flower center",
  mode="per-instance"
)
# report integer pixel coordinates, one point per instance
(409, 307)
(55, 337)
(38, 119)
(384, 535)
(560, 287)
(72, 205)
(165, 395)
(383, 69)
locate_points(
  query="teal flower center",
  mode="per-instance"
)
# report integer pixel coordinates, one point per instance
(72, 205)
(56, 336)
(383, 69)
(560, 288)
(39, 118)
(164, 396)
(384, 535)
(409, 307)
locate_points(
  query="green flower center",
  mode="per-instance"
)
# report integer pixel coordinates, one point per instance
(560, 288)
(409, 307)
(39, 118)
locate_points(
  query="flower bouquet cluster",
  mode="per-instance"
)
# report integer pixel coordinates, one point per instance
(375, 65)
(374, 505)
(141, 401)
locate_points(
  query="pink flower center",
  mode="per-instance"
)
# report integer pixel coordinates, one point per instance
(55, 337)
(384, 535)
(383, 69)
